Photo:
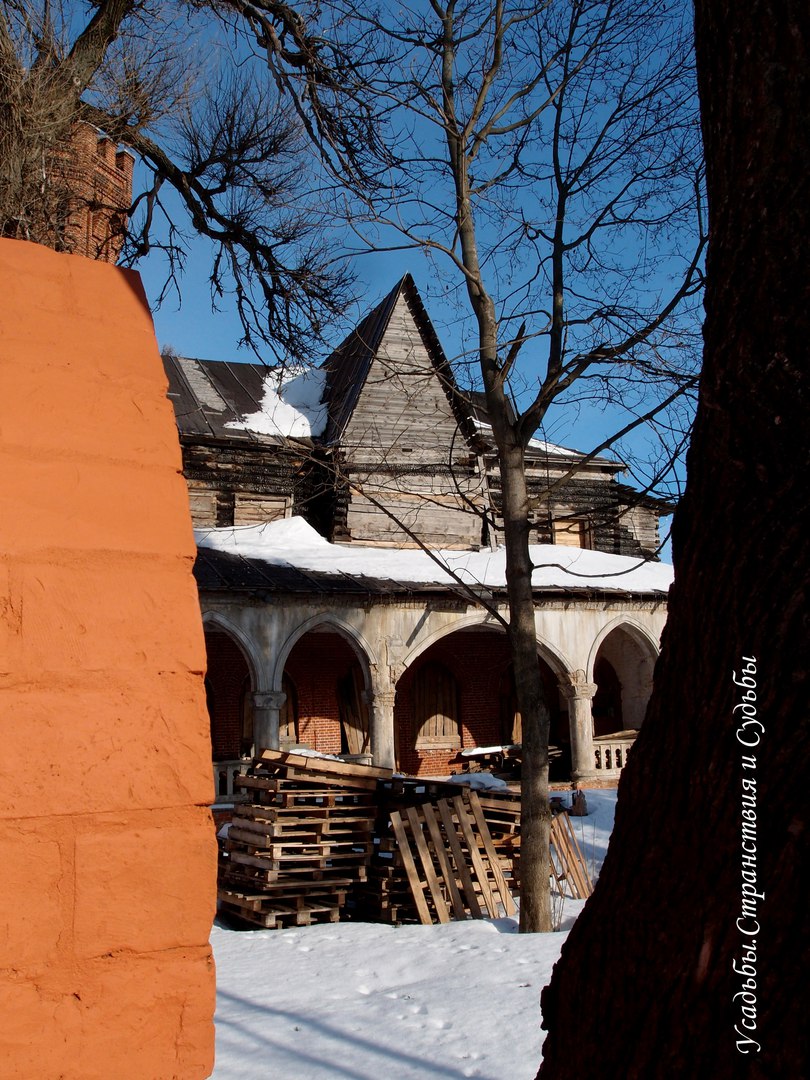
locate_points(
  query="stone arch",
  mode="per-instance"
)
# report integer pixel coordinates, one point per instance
(487, 712)
(330, 664)
(549, 653)
(230, 684)
(330, 623)
(213, 620)
(640, 634)
(621, 666)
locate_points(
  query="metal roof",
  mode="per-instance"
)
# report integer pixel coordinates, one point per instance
(207, 395)
(215, 570)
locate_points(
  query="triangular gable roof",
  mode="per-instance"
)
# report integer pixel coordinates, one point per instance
(349, 365)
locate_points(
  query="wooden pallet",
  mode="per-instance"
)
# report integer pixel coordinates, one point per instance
(568, 865)
(305, 838)
(311, 823)
(255, 908)
(449, 861)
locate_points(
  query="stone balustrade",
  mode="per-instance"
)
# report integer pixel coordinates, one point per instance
(225, 772)
(610, 754)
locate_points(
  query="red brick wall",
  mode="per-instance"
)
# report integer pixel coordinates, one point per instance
(227, 679)
(316, 664)
(99, 175)
(480, 661)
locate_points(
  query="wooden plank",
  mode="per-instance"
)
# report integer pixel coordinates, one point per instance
(319, 777)
(256, 783)
(479, 868)
(569, 856)
(326, 766)
(494, 862)
(467, 886)
(410, 869)
(434, 885)
(579, 858)
(505, 805)
(448, 873)
(282, 888)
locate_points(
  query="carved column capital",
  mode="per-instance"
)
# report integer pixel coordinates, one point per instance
(273, 699)
(575, 686)
(382, 697)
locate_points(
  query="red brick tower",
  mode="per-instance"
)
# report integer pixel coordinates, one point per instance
(99, 178)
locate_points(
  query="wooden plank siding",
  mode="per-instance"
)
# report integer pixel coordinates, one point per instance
(402, 447)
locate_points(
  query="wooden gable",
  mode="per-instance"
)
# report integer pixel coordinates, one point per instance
(403, 448)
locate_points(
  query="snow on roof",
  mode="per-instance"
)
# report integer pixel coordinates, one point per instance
(291, 406)
(552, 449)
(537, 444)
(292, 542)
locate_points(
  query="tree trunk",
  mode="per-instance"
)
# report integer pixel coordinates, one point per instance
(535, 816)
(706, 867)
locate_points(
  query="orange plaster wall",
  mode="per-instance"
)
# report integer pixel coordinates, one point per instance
(107, 852)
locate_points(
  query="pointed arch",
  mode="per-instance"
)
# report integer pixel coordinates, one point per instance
(621, 665)
(634, 629)
(547, 652)
(330, 623)
(230, 682)
(215, 621)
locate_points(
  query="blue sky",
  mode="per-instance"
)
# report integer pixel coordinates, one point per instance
(190, 326)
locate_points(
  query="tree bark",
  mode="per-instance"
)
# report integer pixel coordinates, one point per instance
(535, 816)
(713, 805)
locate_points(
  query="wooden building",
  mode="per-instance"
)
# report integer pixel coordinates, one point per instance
(380, 449)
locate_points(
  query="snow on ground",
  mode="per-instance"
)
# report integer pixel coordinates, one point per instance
(292, 542)
(359, 1001)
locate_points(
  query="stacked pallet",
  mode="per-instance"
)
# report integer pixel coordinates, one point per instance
(502, 813)
(435, 862)
(385, 896)
(568, 866)
(301, 843)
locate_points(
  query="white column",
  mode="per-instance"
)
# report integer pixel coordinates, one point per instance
(381, 710)
(579, 694)
(266, 710)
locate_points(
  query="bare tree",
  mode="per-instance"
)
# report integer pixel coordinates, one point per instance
(222, 102)
(549, 154)
(709, 854)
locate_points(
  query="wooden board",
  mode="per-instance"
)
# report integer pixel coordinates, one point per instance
(445, 862)
(414, 880)
(479, 868)
(463, 869)
(429, 871)
(325, 766)
(494, 862)
(567, 861)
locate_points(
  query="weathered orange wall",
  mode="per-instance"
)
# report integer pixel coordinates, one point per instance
(107, 854)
